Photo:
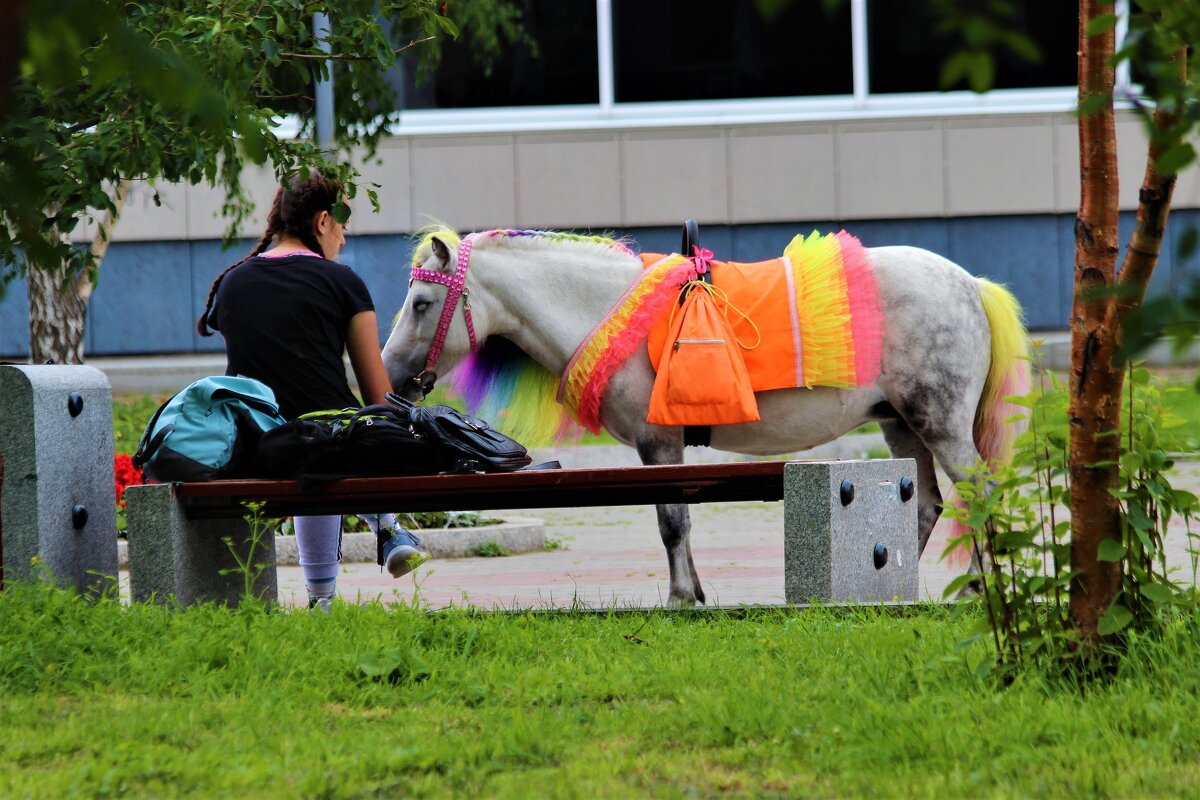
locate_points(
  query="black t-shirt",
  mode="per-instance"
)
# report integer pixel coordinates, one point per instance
(285, 321)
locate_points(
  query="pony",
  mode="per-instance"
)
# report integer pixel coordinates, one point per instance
(515, 310)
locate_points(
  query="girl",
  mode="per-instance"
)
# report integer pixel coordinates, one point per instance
(288, 312)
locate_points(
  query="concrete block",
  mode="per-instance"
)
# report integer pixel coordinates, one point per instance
(176, 559)
(58, 503)
(515, 535)
(850, 531)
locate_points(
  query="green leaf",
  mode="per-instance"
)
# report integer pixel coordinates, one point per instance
(340, 212)
(271, 52)
(1114, 619)
(1111, 550)
(957, 584)
(1158, 592)
(1101, 23)
(447, 25)
(1138, 519)
(1176, 158)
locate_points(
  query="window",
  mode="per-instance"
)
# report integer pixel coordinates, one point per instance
(563, 70)
(621, 63)
(683, 50)
(906, 52)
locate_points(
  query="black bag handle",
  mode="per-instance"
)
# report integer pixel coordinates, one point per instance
(147, 447)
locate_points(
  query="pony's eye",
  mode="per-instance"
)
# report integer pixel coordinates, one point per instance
(419, 306)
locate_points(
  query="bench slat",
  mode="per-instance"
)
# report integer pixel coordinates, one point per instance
(560, 488)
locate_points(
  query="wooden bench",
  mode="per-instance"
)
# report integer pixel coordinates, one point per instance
(186, 539)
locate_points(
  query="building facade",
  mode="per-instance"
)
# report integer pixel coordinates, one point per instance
(759, 128)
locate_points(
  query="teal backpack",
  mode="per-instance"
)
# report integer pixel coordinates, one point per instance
(208, 430)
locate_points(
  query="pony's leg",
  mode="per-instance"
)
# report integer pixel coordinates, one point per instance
(674, 526)
(953, 453)
(903, 443)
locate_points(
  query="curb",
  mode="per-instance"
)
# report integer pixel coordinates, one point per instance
(515, 535)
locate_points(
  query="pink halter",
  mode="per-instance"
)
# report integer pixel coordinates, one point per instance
(457, 286)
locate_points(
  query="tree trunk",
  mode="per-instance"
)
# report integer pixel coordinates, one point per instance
(58, 305)
(1097, 316)
(1096, 378)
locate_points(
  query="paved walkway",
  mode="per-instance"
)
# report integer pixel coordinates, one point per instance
(612, 557)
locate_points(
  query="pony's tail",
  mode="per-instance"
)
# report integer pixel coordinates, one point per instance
(1007, 376)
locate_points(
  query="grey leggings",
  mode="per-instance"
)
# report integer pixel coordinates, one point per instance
(319, 541)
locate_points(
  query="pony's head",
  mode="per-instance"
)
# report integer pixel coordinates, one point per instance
(414, 330)
(499, 381)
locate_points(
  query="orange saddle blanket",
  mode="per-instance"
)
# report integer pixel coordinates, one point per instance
(809, 318)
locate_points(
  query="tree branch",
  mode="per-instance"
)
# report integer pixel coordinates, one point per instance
(336, 57)
(1154, 204)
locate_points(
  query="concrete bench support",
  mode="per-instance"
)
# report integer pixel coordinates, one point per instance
(850, 531)
(57, 501)
(175, 558)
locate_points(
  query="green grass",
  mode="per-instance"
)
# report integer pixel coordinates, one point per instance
(103, 699)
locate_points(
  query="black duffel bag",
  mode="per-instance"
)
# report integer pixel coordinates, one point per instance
(321, 446)
(463, 443)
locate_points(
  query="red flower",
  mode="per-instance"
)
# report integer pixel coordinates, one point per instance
(126, 474)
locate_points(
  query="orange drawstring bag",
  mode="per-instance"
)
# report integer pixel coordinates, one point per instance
(702, 379)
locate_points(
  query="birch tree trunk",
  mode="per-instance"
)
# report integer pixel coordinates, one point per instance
(58, 309)
(1095, 379)
(1097, 314)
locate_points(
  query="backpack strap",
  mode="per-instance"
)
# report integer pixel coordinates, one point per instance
(147, 447)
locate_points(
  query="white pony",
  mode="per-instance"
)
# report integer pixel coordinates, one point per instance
(951, 346)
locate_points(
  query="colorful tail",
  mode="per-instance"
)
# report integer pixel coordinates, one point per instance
(1008, 374)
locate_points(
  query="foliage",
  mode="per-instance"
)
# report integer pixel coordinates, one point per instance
(1019, 517)
(490, 550)
(125, 474)
(103, 698)
(1159, 33)
(190, 92)
(130, 417)
(249, 567)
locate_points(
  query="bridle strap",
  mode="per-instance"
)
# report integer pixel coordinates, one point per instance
(457, 285)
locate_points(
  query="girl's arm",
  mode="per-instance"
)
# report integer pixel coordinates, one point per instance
(362, 343)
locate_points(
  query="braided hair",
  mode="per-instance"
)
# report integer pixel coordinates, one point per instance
(293, 213)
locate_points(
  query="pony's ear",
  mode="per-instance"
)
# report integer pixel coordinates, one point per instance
(442, 254)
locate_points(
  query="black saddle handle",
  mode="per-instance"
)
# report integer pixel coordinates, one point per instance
(691, 240)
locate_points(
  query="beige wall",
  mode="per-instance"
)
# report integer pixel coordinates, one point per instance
(931, 167)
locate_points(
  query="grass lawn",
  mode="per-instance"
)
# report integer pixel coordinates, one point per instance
(100, 699)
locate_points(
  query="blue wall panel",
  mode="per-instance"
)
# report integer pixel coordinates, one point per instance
(1185, 267)
(206, 260)
(142, 302)
(384, 263)
(1020, 252)
(151, 293)
(930, 234)
(14, 320)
